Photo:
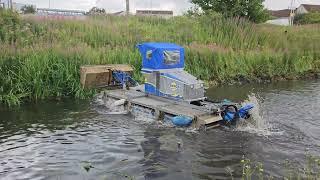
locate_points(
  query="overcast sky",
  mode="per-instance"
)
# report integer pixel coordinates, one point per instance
(178, 6)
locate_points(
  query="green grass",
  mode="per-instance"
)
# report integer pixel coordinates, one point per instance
(41, 59)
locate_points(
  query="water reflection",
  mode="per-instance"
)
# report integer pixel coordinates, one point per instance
(241, 92)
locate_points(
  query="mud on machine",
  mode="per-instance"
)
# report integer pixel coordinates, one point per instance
(169, 92)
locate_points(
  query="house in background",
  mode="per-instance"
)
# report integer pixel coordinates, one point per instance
(307, 8)
(285, 16)
(119, 13)
(4, 4)
(19, 6)
(157, 13)
(15, 6)
(281, 17)
(60, 14)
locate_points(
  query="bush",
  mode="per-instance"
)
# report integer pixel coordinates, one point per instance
(9, 25)
(28, 9)
(310, 18)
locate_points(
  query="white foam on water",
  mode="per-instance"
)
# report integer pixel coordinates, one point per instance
(191, 130)
(257, 123)
(142, 114)
(106, 106)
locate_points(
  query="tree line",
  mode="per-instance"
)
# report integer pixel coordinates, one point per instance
(252, 10)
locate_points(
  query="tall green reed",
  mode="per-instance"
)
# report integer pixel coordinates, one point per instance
(41, 59)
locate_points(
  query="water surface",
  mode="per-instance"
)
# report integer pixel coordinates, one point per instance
(59, 140)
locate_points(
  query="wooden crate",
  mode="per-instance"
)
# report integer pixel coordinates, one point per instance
(100, 75)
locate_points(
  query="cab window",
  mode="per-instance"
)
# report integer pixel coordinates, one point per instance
(171, 57)
(149, 54)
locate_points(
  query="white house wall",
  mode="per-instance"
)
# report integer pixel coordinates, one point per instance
(301, 10)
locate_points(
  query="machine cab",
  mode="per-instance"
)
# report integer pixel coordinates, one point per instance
(163, 68)
(159, 56)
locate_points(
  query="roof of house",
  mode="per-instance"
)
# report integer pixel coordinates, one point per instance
(280, 13)
(311, 7)
(154, 12)
(118, 13)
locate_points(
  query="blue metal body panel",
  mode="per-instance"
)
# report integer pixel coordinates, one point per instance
(163, 68)
(122, 78)
(156, 61)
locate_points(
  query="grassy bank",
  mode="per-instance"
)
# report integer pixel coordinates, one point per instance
(40, 59)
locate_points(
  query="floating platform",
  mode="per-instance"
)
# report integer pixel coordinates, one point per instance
(169, 91)
(202, 117)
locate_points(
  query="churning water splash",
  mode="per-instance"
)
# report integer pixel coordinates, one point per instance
(143, 114)
(148, 116)
(107, 106)
(258, 123)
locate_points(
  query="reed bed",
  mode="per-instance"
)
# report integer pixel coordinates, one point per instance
(41, 59)
(308, 170)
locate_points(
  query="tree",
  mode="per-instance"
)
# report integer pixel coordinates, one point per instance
(309, 18)
(96, 11)
(28, 9)
(193, 11)
(250, 9)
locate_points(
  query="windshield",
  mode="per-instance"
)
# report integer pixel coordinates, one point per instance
(149, 54)
(171, 57)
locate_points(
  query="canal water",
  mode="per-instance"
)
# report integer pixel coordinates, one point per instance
(75, 140)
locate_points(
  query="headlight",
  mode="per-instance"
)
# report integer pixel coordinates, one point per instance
(192, 86)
